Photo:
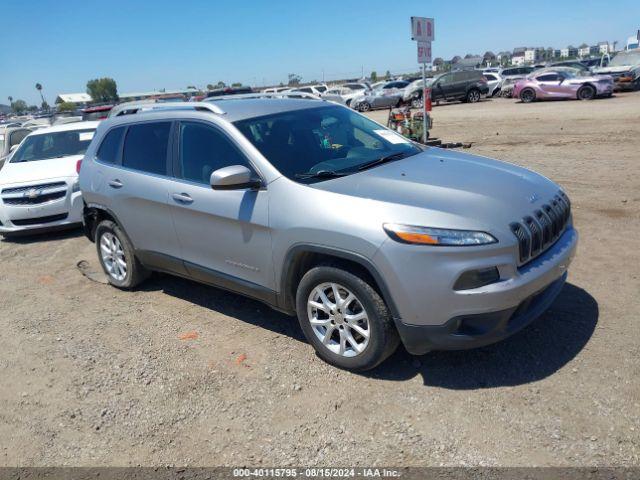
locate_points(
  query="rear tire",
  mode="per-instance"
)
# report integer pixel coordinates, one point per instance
(336, 331)
(527, 95)
(586, 92)
(416, 103)
(117, 257)
(364, 107)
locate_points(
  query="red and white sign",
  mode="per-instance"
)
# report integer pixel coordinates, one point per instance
(422, 29)
(424, 52)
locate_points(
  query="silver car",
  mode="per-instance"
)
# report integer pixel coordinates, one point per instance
(314, 209)
(384, 96)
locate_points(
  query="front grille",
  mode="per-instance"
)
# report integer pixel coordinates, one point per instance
(34, 194)
(37, 187)
(40, 220)
(537, 232)
(35, 201)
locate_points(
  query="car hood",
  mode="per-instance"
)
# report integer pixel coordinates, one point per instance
(461, 190)
(618, 69)
(27, 172)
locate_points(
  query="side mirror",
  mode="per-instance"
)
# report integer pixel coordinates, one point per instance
(235, 177)
(13, 148)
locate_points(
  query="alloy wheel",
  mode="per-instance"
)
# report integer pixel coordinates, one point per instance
(113, 258)
(338, 319)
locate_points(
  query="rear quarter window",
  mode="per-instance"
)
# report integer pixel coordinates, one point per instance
(109, 149)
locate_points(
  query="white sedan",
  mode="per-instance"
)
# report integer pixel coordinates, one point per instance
(39, 184)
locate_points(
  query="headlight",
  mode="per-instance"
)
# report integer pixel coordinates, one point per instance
(437, 236)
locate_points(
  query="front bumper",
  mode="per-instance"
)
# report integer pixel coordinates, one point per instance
(60, 213)
(472, 331)
(431, 315)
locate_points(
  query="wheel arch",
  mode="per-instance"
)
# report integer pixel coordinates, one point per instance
(587, 84)
(301, 258)
(92, 215)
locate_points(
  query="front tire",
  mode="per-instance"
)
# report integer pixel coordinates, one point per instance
(586, 92)
(364, 107)
(416, 102)
(117, 257)
(527, 95)
(473, 96)
(345, 319)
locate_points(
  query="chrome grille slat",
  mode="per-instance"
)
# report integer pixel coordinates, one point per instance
(537, 232)
(36, 186)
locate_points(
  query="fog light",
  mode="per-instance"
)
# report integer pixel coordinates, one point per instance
(477, 278)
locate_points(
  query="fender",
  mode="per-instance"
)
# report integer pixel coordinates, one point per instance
(288, 304)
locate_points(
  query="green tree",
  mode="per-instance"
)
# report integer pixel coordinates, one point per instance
(387, 76)
(103, 90)
(236, 84)
(374, 76)
(221, 84)
(210, 87)
(294, 80)
(19, 106)
(45, 106)
(66, 107)
(32, 108)
(10, 99)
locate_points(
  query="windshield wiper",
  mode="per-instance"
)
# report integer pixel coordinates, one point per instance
(380, 161)
(321, 174)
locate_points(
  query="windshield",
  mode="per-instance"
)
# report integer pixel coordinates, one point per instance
(625, 58)
(53, 145)
(324, 139)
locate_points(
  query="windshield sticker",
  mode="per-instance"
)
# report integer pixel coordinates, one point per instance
(391, 137)
(84, 136)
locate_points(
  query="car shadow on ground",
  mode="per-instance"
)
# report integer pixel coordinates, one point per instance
(230, 304)
(536, 352)
(56, 235)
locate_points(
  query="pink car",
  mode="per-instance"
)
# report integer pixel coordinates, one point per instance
(562, 83)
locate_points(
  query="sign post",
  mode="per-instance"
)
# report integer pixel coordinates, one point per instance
(423, 32)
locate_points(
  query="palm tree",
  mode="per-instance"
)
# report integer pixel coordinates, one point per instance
(10, 99)
(39, 88)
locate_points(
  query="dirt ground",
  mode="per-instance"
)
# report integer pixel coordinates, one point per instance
(181, 374)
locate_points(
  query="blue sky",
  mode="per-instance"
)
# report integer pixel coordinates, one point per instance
(147, 45)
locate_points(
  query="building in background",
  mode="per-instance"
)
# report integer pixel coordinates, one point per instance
(604, 48)
(569, 52)
(80, 99)
(584, 50)
(517, 58)
(533, 55)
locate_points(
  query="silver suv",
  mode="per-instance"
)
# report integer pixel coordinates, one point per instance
(316, 210)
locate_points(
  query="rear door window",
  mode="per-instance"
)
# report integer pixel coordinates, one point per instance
(146, 147)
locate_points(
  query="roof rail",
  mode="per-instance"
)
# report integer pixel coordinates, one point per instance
(309, 96)
(197, 106)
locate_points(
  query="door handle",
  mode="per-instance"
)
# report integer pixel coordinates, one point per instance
(115, 183)
(182, 198)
